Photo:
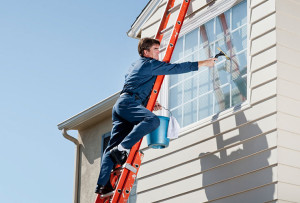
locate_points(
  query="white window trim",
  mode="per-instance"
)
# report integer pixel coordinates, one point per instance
(190, 24)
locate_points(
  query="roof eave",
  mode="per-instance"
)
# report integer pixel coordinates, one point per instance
(74, 122)
(135, 30)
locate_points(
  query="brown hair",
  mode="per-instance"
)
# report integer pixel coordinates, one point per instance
(146, 44)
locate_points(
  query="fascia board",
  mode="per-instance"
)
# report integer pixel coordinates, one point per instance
(135, 29)
(89, 113)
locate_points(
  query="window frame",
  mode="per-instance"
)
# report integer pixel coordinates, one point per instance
(189, 25)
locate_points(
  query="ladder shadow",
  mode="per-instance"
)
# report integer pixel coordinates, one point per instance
(243, 166)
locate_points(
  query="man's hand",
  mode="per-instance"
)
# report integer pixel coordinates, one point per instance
(157, 106)
(209, 62)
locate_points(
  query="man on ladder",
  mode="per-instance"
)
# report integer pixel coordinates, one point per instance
(131, 119)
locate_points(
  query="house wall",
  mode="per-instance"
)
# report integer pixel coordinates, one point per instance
(249, 153)
(288, 103)
(90, 158)
(232, 157)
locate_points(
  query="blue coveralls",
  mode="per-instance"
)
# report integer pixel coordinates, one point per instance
(131, 120)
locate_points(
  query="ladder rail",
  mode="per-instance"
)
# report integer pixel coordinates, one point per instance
(127, 177)
(158, 82)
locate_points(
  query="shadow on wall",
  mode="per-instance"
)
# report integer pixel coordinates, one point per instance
(92, 145)
(90, 150)
(226, 173)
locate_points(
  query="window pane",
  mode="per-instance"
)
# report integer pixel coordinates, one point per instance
(190, 113)
(205, 83)
(239, 90)
(187, 75)
(239, 15)
(222, 98)
(239, 39)
(223, 22)
(190, 89)
(193, 57)
(175, 97)
(242, 62)
(205, 106)
(222, 73)
(191, 42)
(205, 49)
(174, 79)
(207, 32)
(178, 51)
(219, 29)
(240, 86)
(221, 44)
(203, 53)
(227, 16)
(177, 113)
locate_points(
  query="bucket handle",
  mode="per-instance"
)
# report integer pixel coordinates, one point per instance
(167, 110)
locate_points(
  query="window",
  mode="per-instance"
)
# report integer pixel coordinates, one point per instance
(199, 94)
(105, 140)
(132, 196)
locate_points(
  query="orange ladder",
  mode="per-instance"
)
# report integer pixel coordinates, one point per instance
(123, 177)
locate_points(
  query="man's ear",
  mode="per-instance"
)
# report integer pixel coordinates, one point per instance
(146, 52)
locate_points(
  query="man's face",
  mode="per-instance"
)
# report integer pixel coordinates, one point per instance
(153, 52)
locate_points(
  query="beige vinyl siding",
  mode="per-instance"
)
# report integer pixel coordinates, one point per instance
(289, 163)
(180, 170)
(288, 193)
(288, 51)
(234, 158)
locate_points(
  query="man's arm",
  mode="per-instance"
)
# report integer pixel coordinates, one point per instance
(209, 62)
(162, 68)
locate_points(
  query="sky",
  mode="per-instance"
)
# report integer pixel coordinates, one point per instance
(57, 58)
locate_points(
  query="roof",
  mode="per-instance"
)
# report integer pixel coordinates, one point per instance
(91, 115)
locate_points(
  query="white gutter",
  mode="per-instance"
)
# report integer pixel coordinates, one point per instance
(79, 119)
(76, 173)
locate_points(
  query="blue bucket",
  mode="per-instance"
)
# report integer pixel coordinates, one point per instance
(158, 138)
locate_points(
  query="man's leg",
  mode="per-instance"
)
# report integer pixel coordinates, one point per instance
(125, 116)
(144, 120)
(120, 129)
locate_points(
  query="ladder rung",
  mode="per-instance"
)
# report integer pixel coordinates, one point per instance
(117, 169)
(173, 8)
(130, 167)
(107, 194)
(166, 29)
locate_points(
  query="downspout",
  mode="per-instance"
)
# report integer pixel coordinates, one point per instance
(76, 175)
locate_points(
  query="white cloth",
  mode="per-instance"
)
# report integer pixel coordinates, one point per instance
(173, 128)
